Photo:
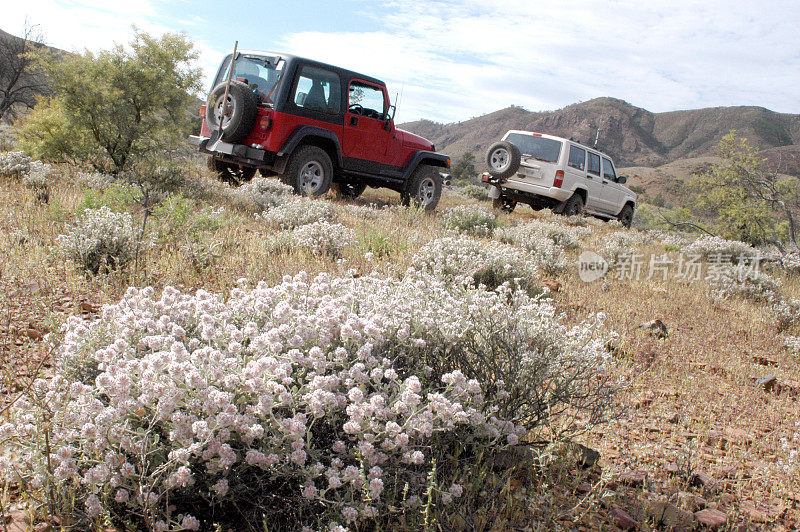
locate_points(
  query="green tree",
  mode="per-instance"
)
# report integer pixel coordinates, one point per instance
(118, 107)
(746, 200)
(464, 169)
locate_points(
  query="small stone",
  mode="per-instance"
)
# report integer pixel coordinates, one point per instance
(700, 480)
(622, 519)
(656, 327)
(711, 518)
(632, 478)
(691, 501)
(552, 284)
(768, 382)
(671, 417)
(584, 487)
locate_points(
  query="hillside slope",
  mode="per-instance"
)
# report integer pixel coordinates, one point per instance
(632, 135)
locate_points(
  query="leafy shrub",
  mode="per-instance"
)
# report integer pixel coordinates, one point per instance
(100, 241)
(14, 164)
(38, 176)
(319, 402)
(202, 254)
(118, 197)
(456, 259)
(323, 238)
(470, 219)
(475, 192)
(301, 211)
(8, 139)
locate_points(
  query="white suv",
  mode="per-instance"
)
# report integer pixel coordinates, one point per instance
(557, 173)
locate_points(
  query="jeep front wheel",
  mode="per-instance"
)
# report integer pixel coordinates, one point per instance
(309, 172)
(231, 173)
(349, 189)
(625, 216)
(424, 188)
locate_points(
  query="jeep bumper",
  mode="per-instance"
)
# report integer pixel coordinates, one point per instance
(237, 153)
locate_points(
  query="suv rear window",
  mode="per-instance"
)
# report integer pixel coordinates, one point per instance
(577, 157)
(261, 73)
(318, 90)
(547, 150)
(594, 164)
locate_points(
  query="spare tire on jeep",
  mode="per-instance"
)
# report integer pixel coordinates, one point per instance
(242, 109)
(503, 159)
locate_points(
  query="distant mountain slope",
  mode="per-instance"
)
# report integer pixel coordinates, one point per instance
(632, 135)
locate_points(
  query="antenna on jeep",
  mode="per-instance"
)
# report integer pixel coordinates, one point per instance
(596, 138)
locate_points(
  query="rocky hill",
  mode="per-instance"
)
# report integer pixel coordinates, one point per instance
(632, 135)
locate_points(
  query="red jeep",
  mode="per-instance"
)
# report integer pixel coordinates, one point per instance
(316, 126)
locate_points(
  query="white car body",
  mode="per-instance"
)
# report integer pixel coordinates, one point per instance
(593, 176)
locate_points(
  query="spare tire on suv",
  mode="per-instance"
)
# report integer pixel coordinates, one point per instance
(243, 108)
(503, 159)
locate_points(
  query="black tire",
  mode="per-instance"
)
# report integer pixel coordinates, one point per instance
(424, 188)
(574, 206)
(625, 216)
(504, 204)
(503, 159)
(244, 106)
(349, 189)
(309, 172)
(231, 173)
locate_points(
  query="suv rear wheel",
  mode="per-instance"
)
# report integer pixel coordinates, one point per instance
(574, 206)
(424, 188)
(310, 171)
(231, 173)
(625, 216)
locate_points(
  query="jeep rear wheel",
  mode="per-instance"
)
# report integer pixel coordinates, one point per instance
(625, 216)
(503, 159)
(309, 171)
(574, 206)
(349, 189)
(240, 115)
(424, 188)
(231, 173)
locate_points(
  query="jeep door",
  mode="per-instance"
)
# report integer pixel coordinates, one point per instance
(613, 190)
(366, 138)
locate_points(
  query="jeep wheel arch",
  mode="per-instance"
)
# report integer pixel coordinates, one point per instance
(427, 158)
(313, 136)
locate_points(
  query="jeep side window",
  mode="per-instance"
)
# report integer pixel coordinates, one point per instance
(608, 170)
(367, 100)
(318, 90)
(577, 157)
(594, 164)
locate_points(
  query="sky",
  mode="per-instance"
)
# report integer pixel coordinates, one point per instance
(451, 60)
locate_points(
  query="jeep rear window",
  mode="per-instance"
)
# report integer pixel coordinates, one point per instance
(318, 90)
(260, 72)
(547, 150)
(577, 157)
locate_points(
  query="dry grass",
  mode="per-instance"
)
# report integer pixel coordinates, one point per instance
(687, 404)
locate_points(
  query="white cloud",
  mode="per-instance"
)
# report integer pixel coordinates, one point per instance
(457, 59)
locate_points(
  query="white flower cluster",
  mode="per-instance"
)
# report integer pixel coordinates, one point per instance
(455, 259)
(471, 219)
(101, 240)
(366, 212)
(38, 176)
(789, 457)
(745, 283)
(264, 192)
(792, 344)
(323, 238)
(298, 212)
(96, 180)
(7, 138)
(787, 313)
(338, 390)
(471, 191)
(14, 164)
(713, 245)
(621, 243)
(547, 242)
(790, 261)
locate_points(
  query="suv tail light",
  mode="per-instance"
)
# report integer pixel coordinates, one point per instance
(559, 179)
(486, 177)
(265, 123)
(202, 111)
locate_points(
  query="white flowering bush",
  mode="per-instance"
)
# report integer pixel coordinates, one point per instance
(264, 193)
(14, 164)
(460, 258)
(792, 344)
(325, 403)
(790, 261)
(100, 241)
(470, 219)
(7, 138)
(366, 212)
(714, 246)
(323, 238)
(96, 180)
(474, 192)
(546, 241)
(38, 176)
(745, 282)
(301, 211)
(622, 243)
(787, 313)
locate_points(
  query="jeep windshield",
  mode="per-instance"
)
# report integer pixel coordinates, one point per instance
(261, 72)
(540, 148)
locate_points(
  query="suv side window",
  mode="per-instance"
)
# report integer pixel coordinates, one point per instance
(367, 100)
(608, 170)
(318, 90)
(577, 157)
(594, 164)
